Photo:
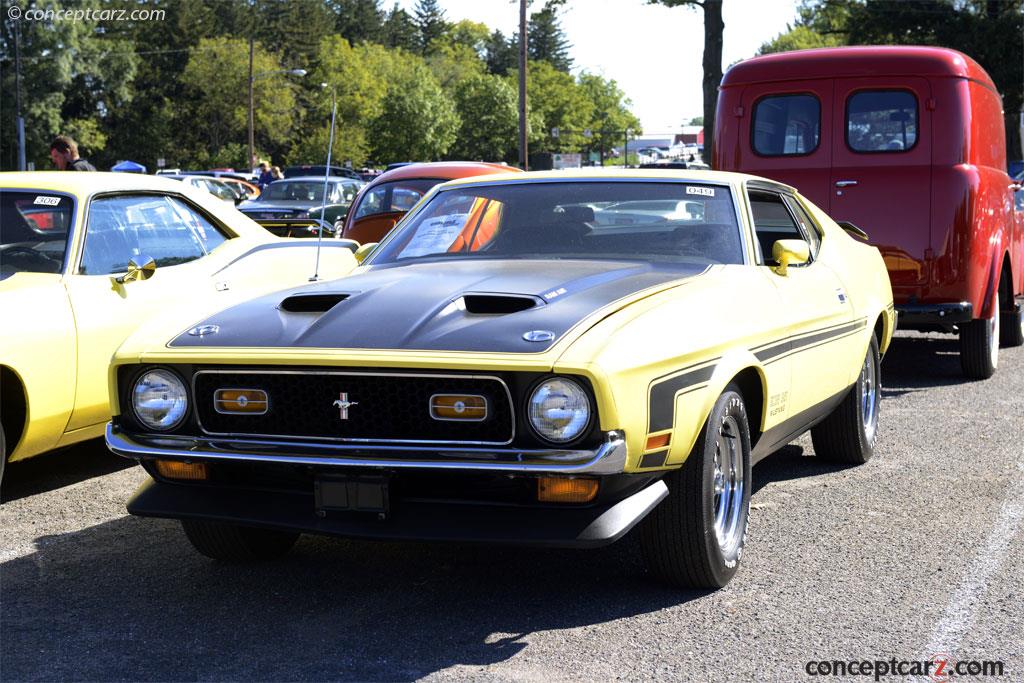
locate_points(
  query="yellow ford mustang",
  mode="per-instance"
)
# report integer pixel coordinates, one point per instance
(545, 358)
(85, 258)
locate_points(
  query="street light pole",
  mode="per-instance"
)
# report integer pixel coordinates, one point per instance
(19, 121)
(252, 108)
(523, 156)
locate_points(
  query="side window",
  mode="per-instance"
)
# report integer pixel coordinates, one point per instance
(809, 228)
(772, 222)
(881, 121)
(144, 226)
(786, 125)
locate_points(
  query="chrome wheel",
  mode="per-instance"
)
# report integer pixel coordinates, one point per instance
(729, 483)
(869, 396)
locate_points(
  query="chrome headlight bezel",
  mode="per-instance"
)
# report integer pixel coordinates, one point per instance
(180, 403)
(581, 427)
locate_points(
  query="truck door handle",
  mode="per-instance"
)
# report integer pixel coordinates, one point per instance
(845, 183)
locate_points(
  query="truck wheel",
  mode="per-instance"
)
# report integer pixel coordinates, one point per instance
(1011, 332)
(694, 539)
(848, 434)
(3, 454)
(231, 543)
(979, 347)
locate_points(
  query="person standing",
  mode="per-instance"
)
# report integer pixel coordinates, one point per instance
(64, 154)
(275, 173)
(266, 177)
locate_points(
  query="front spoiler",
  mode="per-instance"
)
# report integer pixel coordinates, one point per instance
(608, 458)
(411, 521)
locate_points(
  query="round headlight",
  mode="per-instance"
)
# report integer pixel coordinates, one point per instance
(160, 400)
(559, 410)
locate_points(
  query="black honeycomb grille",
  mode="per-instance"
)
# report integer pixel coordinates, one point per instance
(388, 407)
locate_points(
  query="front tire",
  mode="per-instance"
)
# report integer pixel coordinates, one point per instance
(1011, 331)
(231, 543)
(979, 346)
(695, 538)
(848, 434)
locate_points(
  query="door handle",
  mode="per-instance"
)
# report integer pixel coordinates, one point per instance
(845, 183)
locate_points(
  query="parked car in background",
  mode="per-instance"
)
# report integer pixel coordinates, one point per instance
(292, 207)
(214, 186)
(907, 144)
(384, 200)
(511, 366)
(321, 170)
(87, 257)
(244, 189)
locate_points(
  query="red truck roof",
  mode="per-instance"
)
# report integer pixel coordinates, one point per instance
(833, 62)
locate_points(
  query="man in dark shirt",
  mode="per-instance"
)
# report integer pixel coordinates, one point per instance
(265, 177)
(64, 153)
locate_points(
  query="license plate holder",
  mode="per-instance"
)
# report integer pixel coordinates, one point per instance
(352, 494)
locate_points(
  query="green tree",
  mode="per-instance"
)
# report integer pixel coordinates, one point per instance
(557, 102)
(430, 21)
(799, 38)
(714, 31)
(358, 21)
(500, 54)
(400, 30)
(417, 121)
(489, 121)
(611, 116)
(547, 41)
(215, 96)
(696, 121)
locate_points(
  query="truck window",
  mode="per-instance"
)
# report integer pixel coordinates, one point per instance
(881, 121)
(786, 125)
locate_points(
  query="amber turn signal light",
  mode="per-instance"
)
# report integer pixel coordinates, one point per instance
(173, 469)
(561, 490)
(462, 407)
(659, 441)
(240, 401)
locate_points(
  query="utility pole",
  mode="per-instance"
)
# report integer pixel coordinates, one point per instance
(19, 121)
(252, 107)
(523, 156)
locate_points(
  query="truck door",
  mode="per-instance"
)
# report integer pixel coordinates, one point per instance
(881, 168)
(785, 134)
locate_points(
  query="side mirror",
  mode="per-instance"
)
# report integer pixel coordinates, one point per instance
(789, 253)
(364, 251)
(137, 272)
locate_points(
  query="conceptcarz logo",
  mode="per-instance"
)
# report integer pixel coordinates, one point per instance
(940, 668)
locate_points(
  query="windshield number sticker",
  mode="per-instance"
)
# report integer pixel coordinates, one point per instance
(702, 191)
(47, 201)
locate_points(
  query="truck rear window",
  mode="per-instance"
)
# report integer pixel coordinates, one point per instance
(881, 121)
(786, 125)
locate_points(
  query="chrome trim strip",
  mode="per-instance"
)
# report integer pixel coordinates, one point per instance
(508, 394)
(432, 407)
(608, 458)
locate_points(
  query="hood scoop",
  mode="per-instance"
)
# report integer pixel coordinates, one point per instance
(312, 303)
(499, 304)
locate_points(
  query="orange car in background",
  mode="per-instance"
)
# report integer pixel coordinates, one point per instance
(383, 202)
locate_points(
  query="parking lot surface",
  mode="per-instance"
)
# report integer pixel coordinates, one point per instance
(918, 553)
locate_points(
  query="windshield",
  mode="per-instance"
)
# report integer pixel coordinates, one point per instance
(652, 221)
(33, 231)
(396, 196)
(297, 191)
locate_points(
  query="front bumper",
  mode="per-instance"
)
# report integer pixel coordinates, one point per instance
(931, 315)
(571, 527)
(608, 458)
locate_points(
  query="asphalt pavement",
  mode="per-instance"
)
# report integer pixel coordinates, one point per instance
(918, 553)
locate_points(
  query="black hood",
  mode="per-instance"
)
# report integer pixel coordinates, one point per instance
(465, 305)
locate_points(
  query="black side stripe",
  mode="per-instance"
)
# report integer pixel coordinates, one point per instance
(661, 402)
(790, 346)
(663, 392)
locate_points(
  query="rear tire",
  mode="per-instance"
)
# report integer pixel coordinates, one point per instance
(695, 538)
(848, 434)
(3, 455)
(979, 347)
(231, 543)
